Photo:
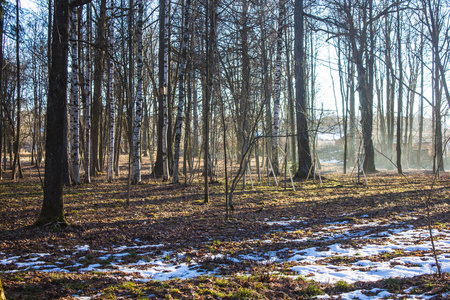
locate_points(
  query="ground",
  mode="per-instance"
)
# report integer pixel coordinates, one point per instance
(325, 241)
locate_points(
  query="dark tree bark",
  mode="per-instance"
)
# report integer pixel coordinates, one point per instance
(304, 156)
(210, 28)
(363, 58)
(52, 207)
(16, 163)
(158, 170)
(97, 97)
(179, 120)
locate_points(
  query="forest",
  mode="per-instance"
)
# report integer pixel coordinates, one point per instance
(214, 149)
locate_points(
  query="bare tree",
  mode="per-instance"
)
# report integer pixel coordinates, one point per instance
(74, 99)
(181, 95)
(277, 87)
(16, 163)
(138, 102)
(304, 156)
(52, 207)
(112, 118)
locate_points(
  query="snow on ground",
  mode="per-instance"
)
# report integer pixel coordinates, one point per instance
(411, 246)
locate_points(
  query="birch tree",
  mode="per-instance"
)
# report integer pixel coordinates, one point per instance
(74, 100)
(277, 87)
(87, 105)
(138, 108)
(110, 168)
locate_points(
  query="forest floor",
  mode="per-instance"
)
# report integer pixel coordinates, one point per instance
(336, 240)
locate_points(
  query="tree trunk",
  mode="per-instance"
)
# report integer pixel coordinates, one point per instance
(52, 207)
(97, 99)
(390, 90)
(138, 111)
(438, 158)
(304, 156)
(290, 91)
(419, 151)
(161, 165)
(112, 119)
(277, 87)
(187, 153)
(265, 78)
(16, 163)
(74, 99)
(87, 107)
(400, 99)
(352, 127)
(179, 120)
(165, 92)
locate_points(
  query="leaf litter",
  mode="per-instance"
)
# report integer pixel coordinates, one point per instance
(326, 242)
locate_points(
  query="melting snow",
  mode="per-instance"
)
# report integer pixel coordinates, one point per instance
(309, 262)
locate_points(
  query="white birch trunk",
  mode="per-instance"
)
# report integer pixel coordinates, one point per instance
(179, 121)
(277, 88)
(165, 92)
(138, 108)
(87, 108)
(74, 100)
(111, 103)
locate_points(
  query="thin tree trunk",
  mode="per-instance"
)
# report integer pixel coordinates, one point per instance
(97, 99)
(87, 107)
(437, 119)
(290, 91)
(400, 99)
(16, 163)
(165, 116)
(277, 87)
(179, 120)
(138, 113)
(419, 151)
(74, 107)
(187, 131)
(352, 129)
(112, 118)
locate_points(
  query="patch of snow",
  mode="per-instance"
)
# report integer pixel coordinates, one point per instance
(162, 271)
(283, 223)
(121, 254)
(29, 264)
(9, 260)
(82, 248)
(93, 267)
